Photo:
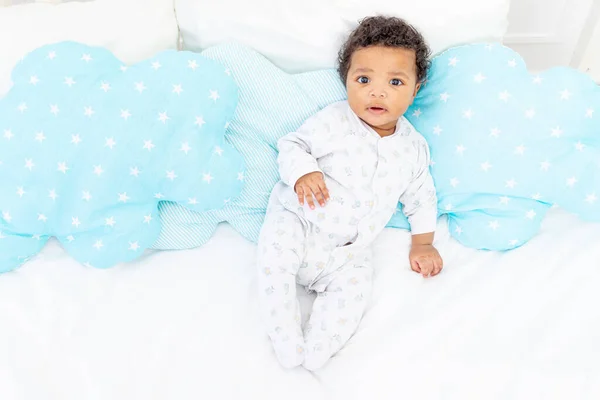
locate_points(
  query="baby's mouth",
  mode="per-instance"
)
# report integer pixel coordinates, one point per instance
(377, 110)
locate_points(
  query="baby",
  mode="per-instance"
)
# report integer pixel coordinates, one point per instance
(342, 175)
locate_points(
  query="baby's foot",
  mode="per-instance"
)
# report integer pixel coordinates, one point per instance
(319, 351)
(290, 352)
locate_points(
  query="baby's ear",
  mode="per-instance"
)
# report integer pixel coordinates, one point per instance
(417, 87)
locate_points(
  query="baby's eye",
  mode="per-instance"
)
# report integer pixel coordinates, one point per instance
(363, 79)
(396, 82)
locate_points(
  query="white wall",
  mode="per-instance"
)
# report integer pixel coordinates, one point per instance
(545, 32)
(551, 32)
(591, 58)
(17, 2)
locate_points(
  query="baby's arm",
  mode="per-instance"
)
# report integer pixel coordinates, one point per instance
(300, 150)
(420, 206)
(298, 159)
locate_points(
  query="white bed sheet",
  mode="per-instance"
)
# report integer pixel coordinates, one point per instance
(184, 325)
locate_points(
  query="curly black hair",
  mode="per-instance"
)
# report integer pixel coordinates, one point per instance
(388, 32)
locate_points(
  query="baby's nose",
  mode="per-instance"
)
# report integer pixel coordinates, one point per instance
(378, 93)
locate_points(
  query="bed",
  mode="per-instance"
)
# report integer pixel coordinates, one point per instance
(518, 325)
(521, 324)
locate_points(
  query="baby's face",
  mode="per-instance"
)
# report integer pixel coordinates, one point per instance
(382, 84)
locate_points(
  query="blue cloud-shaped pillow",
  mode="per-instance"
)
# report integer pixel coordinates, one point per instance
(506, 145)
(271, 103)
(89, 147)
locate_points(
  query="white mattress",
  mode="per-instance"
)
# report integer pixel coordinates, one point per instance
(184, 325)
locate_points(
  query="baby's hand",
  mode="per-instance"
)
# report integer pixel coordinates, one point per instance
(425, 260)
(309, 185)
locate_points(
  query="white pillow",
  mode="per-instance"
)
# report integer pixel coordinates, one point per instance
(305, 35)
(132, 29)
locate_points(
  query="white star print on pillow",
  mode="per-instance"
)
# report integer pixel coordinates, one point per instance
(521, 143)
(86, 145)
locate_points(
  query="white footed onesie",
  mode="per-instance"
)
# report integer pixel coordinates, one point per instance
(328, 249)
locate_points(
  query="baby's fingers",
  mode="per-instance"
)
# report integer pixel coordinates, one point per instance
(309, 198)
(414, 265)
(426, 268)
(324, 190)
(318, 194)
(304, 193)
(300, 193)
(437, 267)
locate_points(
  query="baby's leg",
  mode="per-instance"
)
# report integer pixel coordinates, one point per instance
(280, 252)
(336, 314)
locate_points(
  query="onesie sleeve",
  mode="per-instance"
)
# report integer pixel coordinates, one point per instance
(420, 200)
(300, 150)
